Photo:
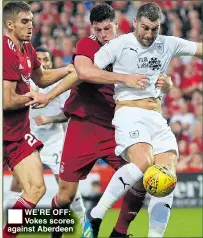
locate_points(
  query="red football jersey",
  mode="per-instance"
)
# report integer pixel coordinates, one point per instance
(18, 67)
(92, 101)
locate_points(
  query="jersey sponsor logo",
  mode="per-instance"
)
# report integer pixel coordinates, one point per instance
(134, 134)
(159, 48)
(152, 63)
(11, 45)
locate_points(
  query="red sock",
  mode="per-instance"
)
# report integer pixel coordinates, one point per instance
(20, 204)
(131, 205)
(55, 205)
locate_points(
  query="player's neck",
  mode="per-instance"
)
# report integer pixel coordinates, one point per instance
(17, 43)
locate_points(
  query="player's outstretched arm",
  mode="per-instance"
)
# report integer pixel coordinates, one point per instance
(43, 120)
(44, 78)
(40, 100)
(89, 72)
(13, 101)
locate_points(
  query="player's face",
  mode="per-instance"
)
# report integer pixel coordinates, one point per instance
(22, 26)
(146, 31)
(105, 31)
(45, 59)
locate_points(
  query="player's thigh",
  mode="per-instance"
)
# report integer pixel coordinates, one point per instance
(133, 138)
(29, 172)
(168, 158)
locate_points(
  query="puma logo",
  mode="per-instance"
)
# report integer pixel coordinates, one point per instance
(134, 50)
(124, 184)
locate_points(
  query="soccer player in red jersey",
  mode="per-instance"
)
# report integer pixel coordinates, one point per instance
(20, 63)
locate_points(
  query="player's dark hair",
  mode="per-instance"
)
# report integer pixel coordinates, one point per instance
(42, 49)
(102, 12)
(13, 8)
(149, 10)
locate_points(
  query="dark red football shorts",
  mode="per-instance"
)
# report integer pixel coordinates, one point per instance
(85, 142)
(16, 151)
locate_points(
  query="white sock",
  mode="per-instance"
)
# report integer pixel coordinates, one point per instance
(78, 207)
(10, 199)
(159, 210)
(122, 180)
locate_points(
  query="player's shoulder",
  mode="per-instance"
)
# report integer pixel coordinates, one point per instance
(88, 39)
(8, 46)
(122, 38)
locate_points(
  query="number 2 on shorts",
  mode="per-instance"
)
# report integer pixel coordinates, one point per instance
(30, 139)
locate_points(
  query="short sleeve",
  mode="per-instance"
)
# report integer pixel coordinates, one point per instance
(87, 47)
(108, 53)
(10, 65)
(182, 47)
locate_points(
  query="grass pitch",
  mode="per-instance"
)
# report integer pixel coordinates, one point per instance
(184, 222)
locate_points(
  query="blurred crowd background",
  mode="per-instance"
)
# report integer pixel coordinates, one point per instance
(59, 24)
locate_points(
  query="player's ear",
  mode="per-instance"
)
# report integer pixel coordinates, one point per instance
(134, 22)
(9, 24)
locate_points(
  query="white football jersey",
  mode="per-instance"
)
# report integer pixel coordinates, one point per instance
(54, 131)
(128, 56)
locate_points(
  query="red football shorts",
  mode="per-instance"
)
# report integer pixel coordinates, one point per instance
(85, 142)
(16, 151)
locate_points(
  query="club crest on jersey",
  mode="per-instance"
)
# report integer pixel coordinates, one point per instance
(29, 63)
(134, 134)
(159, 48)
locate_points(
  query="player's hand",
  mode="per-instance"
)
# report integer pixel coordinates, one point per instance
(42, 120)
(71, 68)
(164, 82)
(138, 81)
(39, 100)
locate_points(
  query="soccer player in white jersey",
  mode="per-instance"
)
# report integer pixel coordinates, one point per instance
(47, 125)
(142, 134)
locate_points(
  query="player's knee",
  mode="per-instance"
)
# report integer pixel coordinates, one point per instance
(67, 192)
(143, 159)
(37, 191)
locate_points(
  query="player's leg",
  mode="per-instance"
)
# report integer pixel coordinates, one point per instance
(132, 202)
(13, 195)
(52, 160)
(159, 209)
(78, 157)
(78, 207)
(29, 173)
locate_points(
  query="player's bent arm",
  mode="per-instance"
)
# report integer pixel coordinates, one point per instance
(40, 100)
(43, 120)
(13, 101)
(44, 78)
(89, 72)
(67, 83)
(199, 52)
(58, 118)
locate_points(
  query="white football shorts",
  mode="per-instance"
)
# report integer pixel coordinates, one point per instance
(51, 155)
(134, 125)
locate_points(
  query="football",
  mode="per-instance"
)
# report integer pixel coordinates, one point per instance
(159, 180)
